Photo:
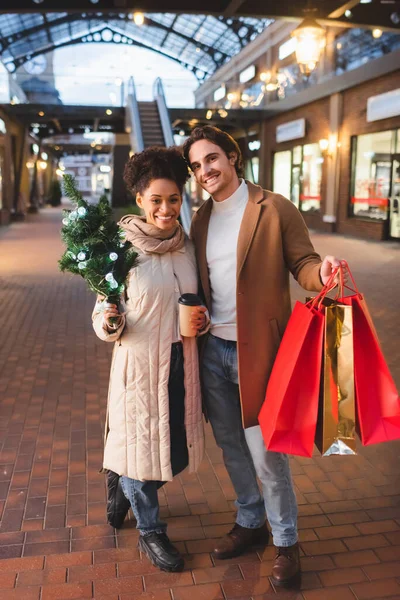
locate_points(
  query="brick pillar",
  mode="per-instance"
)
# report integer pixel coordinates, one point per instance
(333, 159)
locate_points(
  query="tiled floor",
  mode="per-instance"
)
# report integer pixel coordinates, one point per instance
(54, 542)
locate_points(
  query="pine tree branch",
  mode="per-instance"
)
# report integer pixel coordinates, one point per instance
(91, 237)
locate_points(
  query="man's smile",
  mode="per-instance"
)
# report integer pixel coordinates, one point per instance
(211, 179)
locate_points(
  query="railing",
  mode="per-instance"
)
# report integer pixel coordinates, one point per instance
(133, 118)
(186, 212)
(75, 90)
(79, 89)
(159, 97)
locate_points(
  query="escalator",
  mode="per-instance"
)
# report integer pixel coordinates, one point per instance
(149, 124)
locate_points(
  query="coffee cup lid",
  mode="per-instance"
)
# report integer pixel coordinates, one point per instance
(190, 300)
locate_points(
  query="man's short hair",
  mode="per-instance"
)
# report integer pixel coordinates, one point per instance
(219, 138)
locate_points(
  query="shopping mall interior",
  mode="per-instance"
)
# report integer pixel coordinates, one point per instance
(317, 121)
(310, 90)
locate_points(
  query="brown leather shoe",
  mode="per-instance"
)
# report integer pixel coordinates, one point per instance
(239, 539)
(286, 571)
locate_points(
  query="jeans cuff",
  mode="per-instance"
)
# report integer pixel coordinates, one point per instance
(286, 542)
(248, 525)
(159, 530)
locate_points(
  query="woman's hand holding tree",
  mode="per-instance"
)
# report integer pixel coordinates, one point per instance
(111, 315)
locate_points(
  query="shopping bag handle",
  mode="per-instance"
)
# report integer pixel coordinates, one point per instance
(331, 284)
(342, 286)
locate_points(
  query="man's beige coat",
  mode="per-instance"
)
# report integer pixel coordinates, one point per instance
(137, 426)
(273, 241)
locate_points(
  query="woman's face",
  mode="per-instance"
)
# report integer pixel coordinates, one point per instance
(161, 202)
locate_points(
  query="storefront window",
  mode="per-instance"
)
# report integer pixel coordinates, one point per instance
(1, 177)
(298, 174)
(2, 133)
(256, 168)
(297, 154)
(371, 174)
(282, 172)
(253, 95)
(252, 169)
(310, 197)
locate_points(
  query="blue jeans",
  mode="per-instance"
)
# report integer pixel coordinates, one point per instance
(244, 452)
(144, 501)
(143, 494)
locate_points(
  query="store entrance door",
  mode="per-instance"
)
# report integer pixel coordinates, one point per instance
(394, 200)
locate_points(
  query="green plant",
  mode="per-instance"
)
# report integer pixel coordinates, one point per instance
(55, 193)
(121, 211)
(96, 246)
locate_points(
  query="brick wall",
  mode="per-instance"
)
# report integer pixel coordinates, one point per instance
(317, 127)
(353, 123)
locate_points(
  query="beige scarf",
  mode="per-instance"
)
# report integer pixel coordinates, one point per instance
(151, 239)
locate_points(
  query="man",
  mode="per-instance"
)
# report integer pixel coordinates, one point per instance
(247, 242)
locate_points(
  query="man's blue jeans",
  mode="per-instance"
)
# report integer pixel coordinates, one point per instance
(244, 451)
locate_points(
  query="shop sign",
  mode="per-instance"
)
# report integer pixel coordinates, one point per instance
(219, 93)
(292, 130)
(247, 74)
(79, 159)
(287, 48)
(383, 106)
(3, 127)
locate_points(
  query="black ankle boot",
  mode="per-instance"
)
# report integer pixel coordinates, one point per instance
(160, 551)
(117, 505)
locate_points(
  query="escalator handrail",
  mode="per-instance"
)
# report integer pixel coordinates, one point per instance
(186, 212)
(133, 105)
(159, 97)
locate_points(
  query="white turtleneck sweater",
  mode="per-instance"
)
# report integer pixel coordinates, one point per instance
(222, 239)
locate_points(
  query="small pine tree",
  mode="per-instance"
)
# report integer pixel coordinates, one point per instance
(96, 245)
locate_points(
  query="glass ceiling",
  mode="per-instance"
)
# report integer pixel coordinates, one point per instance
(199, 43)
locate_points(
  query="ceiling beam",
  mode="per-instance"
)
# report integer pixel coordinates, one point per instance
(57, 124)
(340, 10)
(232, 7)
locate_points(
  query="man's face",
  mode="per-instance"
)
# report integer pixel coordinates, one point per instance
(214, 171)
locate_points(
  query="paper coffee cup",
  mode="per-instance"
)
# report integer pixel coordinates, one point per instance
(186, 304)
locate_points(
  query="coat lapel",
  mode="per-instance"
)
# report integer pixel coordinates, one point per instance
(249, 224)
(201, 245)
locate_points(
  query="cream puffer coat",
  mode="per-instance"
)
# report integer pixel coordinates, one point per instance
(137, 435)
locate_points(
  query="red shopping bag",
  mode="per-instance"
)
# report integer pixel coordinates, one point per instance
(288, 416)
(378, 402)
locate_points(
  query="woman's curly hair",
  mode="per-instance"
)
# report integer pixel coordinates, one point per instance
(155, 163)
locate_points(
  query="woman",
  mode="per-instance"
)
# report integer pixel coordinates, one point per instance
(154, 423)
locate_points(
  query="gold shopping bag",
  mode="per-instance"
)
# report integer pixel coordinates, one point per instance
(335, 432)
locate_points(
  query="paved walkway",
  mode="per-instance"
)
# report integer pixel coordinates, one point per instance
(54, 542)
